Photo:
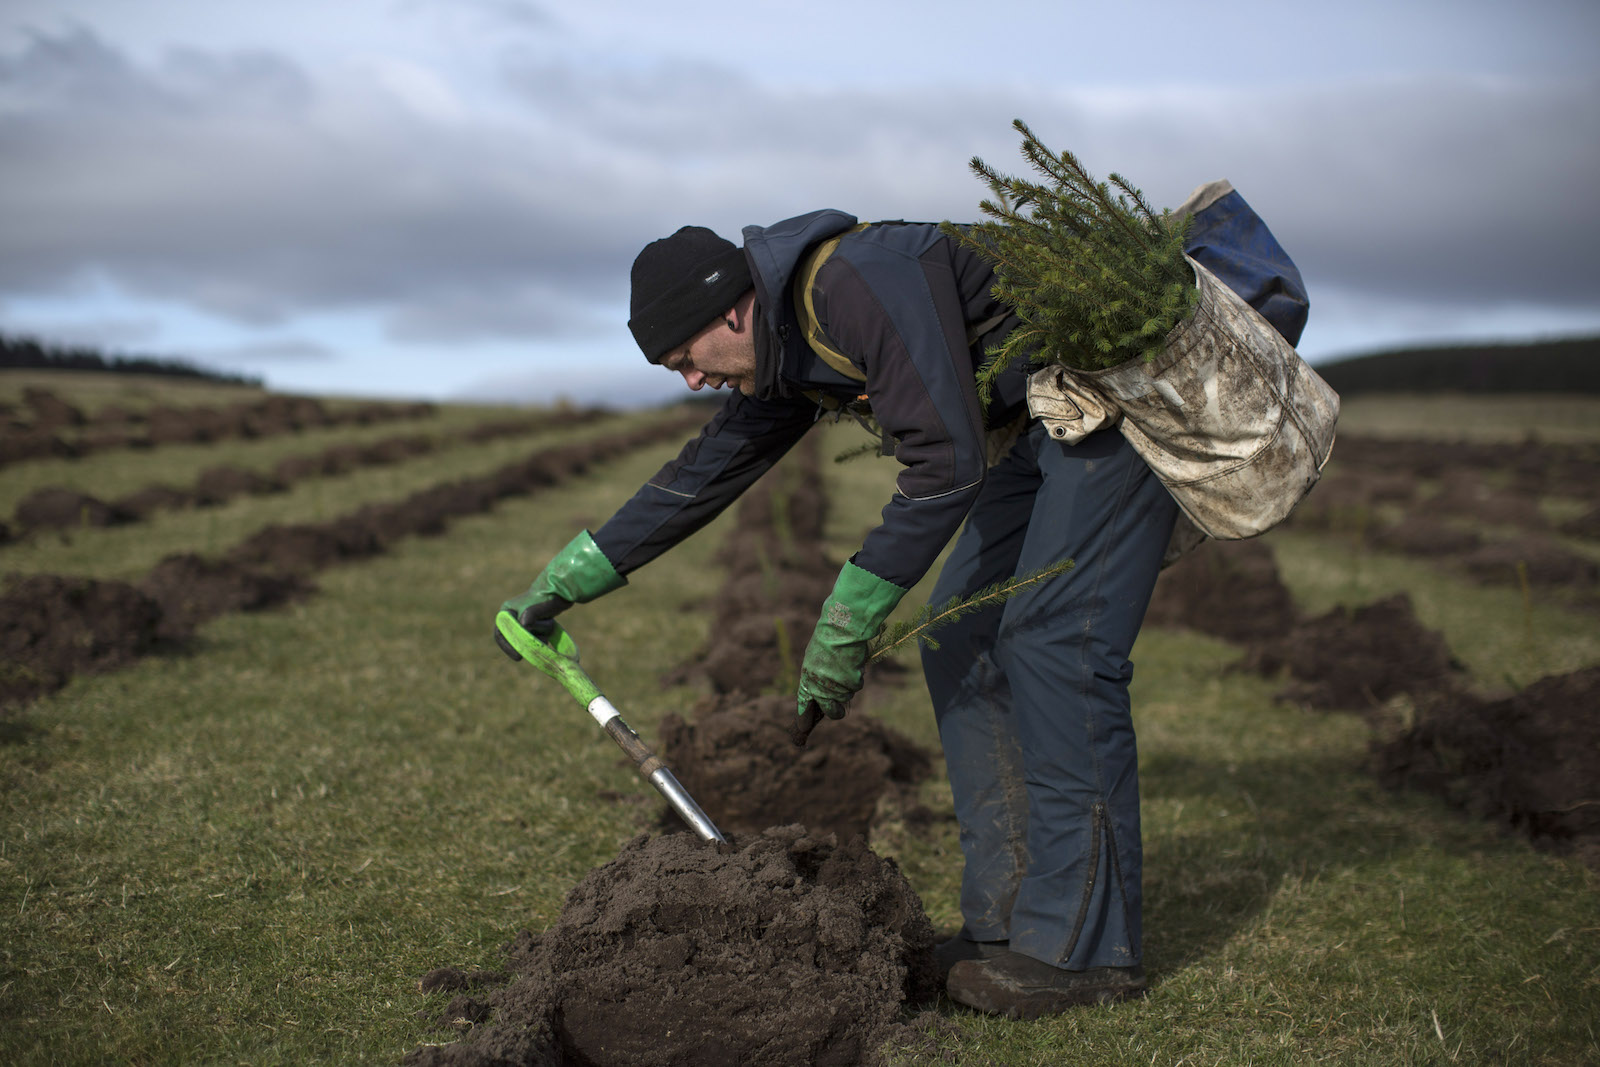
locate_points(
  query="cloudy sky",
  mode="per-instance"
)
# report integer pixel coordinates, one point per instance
(441, 198)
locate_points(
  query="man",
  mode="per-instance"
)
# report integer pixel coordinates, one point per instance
(1031, 697)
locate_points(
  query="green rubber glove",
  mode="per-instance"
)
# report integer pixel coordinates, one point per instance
(579, 573)
(831, 672)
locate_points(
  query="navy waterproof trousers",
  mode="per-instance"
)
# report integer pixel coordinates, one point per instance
(1032, 698)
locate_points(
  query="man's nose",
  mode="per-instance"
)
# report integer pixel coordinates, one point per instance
(695, 379)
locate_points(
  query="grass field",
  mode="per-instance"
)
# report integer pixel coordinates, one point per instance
(251, 851)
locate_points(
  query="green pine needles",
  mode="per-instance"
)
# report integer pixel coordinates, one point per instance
(933, 616)
(1097, 277)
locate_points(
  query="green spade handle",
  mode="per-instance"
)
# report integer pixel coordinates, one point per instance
(551, 649)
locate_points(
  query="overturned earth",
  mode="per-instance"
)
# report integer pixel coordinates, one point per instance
(780, 948)
(739, 763)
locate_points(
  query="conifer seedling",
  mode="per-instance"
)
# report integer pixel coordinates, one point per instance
(1096, 275)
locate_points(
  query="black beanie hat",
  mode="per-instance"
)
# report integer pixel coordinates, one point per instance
(681, 283)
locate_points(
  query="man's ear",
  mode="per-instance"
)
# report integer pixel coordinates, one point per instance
(738, 316)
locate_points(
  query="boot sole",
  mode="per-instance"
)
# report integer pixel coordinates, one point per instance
(1036, 1005)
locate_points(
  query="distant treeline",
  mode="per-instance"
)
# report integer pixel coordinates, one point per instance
(1571, 366)
(17, 352)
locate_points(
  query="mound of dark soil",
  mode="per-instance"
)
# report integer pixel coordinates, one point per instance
(1358, 659)
(395, 449)
(191, 589)
(737, 759)
(744, 657)
(299, 468)
(49, 410)
(739, 764)
(34, 444)
(1390, 488)
(339, 459)
(756, 583)
(52, 628)
(782, 949)
(1531, 761)
(1230, 589)
(153, 498)
(49, 635)
(196, 425)
(1586, 525)
(1544, 562)
(1426, 535)
(1472, 499)
(57, 508)
(218, 485)
(102, 439)
(304, 548)
(113, 415)
(1338, 502)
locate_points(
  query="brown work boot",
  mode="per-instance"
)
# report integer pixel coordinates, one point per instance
(949, 953)
(1022, 987)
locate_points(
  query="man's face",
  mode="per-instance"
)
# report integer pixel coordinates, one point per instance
(716, 356)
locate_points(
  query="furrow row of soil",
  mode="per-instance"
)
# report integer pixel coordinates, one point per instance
(1527, 760)
(61, 508)
(54, 627)
(46, 426)
(1478, 509)
(783, 946)
(737, 751)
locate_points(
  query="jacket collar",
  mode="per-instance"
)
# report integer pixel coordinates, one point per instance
(774, 252)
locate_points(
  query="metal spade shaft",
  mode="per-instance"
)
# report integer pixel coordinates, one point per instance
(554, 652)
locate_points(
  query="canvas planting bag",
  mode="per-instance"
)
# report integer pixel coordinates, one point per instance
(1228, 416)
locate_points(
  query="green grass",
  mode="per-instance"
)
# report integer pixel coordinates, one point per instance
(1472, 417)
(1501, 632)
(127, 552)
(89, 391)
(250, 853)
(117, 472)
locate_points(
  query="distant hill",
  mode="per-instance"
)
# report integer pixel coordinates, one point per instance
(1570, 366)
(28, 352)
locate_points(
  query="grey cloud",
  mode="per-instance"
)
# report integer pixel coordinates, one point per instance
(499, 312)
(106, 334)
(1449, 191)
(255, 216)
(73, 74)
(1438, 189)
(499, 15)
(610, 386)
(286, 350)
(518, 14)
(242, 185)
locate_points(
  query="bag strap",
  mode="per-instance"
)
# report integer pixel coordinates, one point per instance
(806, 309)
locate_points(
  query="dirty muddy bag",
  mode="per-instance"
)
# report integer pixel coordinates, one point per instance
(1228, 416)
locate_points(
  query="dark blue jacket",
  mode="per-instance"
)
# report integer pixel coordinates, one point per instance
(899, 299)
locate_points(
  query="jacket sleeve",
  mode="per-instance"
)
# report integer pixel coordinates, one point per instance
(741, 442)
(900, 316)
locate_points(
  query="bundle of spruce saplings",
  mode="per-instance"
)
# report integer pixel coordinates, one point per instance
(1096, 275)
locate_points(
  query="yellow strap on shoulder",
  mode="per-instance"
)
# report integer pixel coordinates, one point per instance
(805, 307)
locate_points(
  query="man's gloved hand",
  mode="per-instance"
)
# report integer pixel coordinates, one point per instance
(579, 573)
(831, 672)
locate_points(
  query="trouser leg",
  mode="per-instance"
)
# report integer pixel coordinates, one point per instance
(1063, 647)
(972, 703)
